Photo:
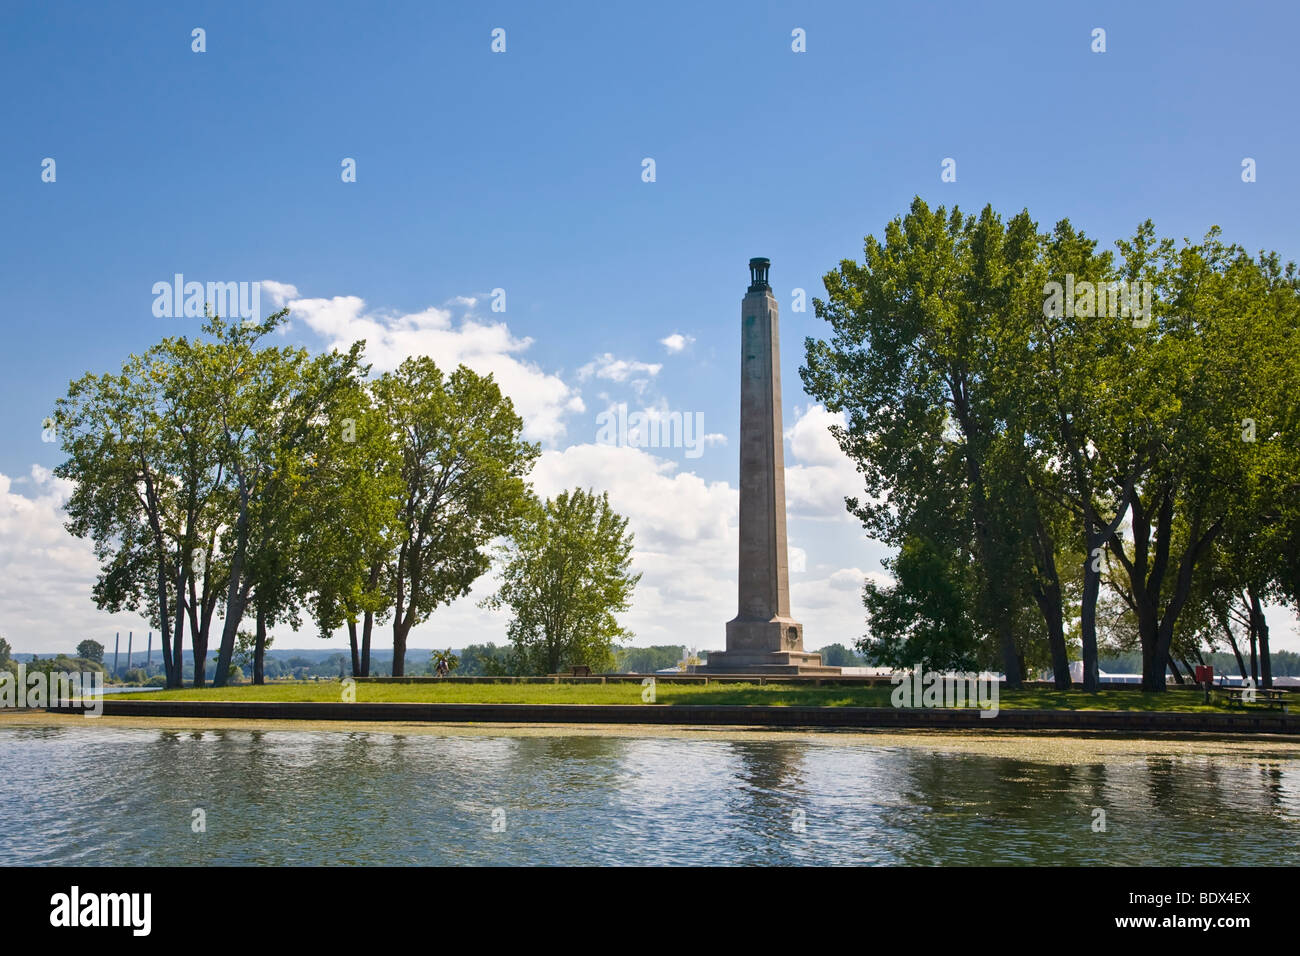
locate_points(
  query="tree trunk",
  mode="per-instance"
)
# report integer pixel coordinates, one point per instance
(1094, 539)
(1254, 655)
(200, 634)
(367, 626)
(997, 601)
(1049, 603)
(400, 632)
(201, 606)
(1153, 670)
(368, 618)
(552, 654)
(1148, 605)
(1178, 677)
(1236, 651)
(352, 641)
(1261, 629)
(259, 648)
(234, 617)
(1011, 669)
(1088, 625)
(1049, 599)
(236, 591)
(200, 643)
(175, 676)
(1045, 585)
(1095, 536)
(166, 620)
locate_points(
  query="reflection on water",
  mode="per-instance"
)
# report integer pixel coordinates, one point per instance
(128, 796)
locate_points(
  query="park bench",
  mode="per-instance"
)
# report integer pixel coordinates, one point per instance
(582, 670)
(1268, 697)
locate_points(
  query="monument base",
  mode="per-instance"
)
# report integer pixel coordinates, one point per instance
(769, 664)
(765, 648)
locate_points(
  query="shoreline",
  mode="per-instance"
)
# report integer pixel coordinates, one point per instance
(1055, 747)
(793, 716)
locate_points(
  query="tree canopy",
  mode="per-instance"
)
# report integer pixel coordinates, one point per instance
(1036, 422)
(220, 476)
(567, 575)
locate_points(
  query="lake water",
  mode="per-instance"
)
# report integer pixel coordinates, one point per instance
(124, 796)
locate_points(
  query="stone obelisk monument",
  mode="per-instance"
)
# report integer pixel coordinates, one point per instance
(763, 638)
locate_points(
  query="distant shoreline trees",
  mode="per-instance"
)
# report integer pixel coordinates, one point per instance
(1055, 473)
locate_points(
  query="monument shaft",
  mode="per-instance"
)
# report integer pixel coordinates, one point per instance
(764, 571)
(762, 638)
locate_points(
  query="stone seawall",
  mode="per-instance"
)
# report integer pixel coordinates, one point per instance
(1126, 722)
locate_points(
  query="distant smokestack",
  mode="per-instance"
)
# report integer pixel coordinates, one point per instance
(129, 636)
(117, 646)
(149, 656)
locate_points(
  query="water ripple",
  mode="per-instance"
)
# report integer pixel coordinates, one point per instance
(122, 796)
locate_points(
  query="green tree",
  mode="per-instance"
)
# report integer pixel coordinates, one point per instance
(1253, 555)
(357, 481)
(125, 438)
(463, 466)
(923, 334)
(247, 648)
(925, 618)
(1219, 345)
(91, 651)
(447, 657)
(275, 406)
(144, 450)
(486, 660)
(1004, 438)
(837, 655)
(647, 660)
(1077, 399)
(567, 574)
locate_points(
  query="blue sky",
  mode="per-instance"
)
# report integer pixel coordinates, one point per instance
(522, 171)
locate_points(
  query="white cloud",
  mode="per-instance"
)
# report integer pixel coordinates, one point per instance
(542, 399)
(686, 543)
(281, 293)
(685, 530)
(825, 476)
(45, 603)
(830, 607)
(685, 537)
(852, 579)
(677, 342)
(810, 438)
(606, 366)
(685, 546)
(667, 509)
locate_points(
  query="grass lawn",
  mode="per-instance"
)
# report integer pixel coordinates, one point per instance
(669, 694)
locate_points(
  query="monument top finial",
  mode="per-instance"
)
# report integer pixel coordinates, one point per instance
(758, 274)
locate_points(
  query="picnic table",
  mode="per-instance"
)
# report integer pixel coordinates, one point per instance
(1267, 696)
